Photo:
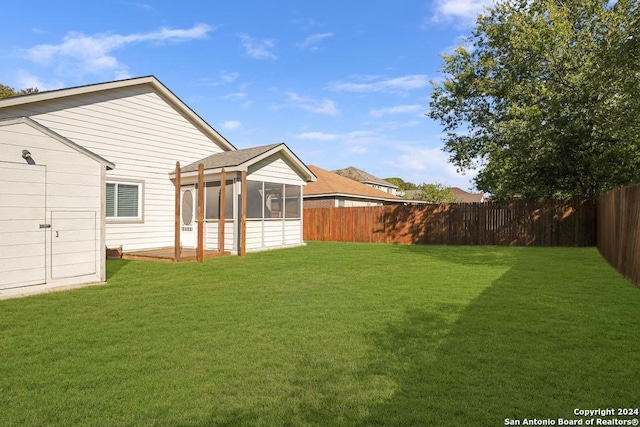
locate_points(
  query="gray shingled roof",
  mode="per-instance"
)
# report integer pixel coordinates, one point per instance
(229, 158)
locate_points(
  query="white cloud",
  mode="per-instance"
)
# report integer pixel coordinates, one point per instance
(461, 42)
(398, 109)
(122, 74)
(318, 136)
(257, 49)
(312, 41)
(231, 124)
(321, 106)
(94, 53)
(27, 80)
(400, 125)
(378, 84)
(423, 158)
(237, 96)
(227, 77)
(463, 12)
(346, 137)
(144, 6)
(223, 78)
(429, 164)
(360, 134)
(357, 149)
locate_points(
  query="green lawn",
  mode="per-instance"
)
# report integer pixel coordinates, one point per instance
(328, 334)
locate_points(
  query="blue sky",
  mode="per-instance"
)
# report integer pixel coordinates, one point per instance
(342, 83)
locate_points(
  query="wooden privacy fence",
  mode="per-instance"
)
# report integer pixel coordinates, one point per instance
(619, 230)
(520, 223)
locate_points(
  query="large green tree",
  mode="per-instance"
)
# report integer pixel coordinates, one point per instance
(435, 193)
(544, 97)
(7, 91)
(402, 184)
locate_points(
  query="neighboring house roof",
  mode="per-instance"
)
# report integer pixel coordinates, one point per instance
(461, 195)
(362, 176)
(45, 130)
(466, 197)
(151, 81)
(334, 185)
(239, 160)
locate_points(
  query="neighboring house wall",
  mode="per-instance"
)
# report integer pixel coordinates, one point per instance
(51, 208)
(389, 190)
(329, 202)
(351, 203)
(140, 132)
(339, 202)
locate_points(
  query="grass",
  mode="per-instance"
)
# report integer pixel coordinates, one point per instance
(328, 334)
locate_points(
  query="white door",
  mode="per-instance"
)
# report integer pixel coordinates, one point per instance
(22, 225)
(73, 243)
(188, 217)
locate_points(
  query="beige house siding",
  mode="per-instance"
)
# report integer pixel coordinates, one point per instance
(254, 235)
(212, 237)
(274, 169)
(139, 131)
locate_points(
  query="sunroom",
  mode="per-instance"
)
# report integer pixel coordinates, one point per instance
(258, 208)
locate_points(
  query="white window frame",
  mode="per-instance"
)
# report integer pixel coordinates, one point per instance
(121, 219)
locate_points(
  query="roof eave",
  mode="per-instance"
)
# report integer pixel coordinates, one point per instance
(303, 170)
(151, 80)
(211, 171)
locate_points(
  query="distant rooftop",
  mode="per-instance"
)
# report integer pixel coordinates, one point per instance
(331, 184)
(466, 197)
(362, 176)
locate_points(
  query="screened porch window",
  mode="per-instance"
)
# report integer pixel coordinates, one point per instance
(292, 197)
(272, 200)
(124, 200)
(254, 199)
(212, 200)
(268, 200)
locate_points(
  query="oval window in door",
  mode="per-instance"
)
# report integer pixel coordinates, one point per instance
(187, 207)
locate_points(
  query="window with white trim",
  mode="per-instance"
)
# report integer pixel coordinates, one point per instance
(124, 200)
